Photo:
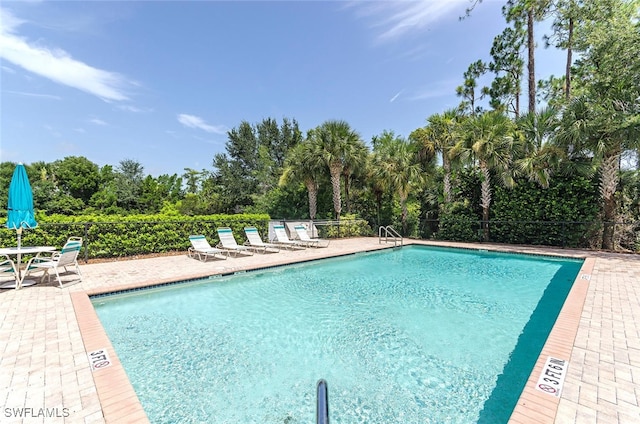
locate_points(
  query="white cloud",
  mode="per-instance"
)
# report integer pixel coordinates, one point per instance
(57, 65)
(134, 109)
(394, 19)
(393, 99)
(192, 121)
(97, 121)
(44, 96)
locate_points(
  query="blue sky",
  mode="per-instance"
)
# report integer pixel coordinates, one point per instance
(161, 82)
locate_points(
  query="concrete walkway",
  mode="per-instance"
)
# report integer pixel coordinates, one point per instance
(46, 333)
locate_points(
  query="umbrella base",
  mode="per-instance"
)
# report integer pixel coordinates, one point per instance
(12, 284)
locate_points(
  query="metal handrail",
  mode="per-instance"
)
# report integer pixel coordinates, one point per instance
(389, 232)
(322, 406)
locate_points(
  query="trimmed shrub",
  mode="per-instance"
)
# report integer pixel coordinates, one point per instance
(107, 236)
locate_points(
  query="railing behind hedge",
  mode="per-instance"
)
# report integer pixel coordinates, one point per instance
(341, 228)
(576, 234)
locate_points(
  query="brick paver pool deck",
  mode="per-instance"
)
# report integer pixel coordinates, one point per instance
(46, 333)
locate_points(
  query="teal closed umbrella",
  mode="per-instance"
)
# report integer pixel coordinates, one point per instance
(20, 205)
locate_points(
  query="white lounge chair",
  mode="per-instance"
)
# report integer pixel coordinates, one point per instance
(282, 239)
(68, 256)
(313, 242)
(228, 242)
(255, 241)
(201, 249)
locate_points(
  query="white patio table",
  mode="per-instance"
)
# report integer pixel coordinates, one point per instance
(23, 250)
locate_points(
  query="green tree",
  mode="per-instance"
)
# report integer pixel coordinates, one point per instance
(439, 136)
(488, 140)
(76, 176)
(397, 165)
(253, 161)
(128, 180)
(6, 172)
(106, 198)
(339, 145)
(604, 117)
(539, 157)
(567, 15)
(468, 90)
(529, 11)
(155, 193)
(192, 179)
(304, 164)
(507, 64)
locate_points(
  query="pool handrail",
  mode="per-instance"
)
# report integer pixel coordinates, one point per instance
(389, 233)
(322, 406)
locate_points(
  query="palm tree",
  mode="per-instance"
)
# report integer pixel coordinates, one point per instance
(488, 140)
(540, 158)
(397, 165)
(355, 165)
(439, 136)
(340, 147)
(375, 180)
(304, 164)
(605, 133)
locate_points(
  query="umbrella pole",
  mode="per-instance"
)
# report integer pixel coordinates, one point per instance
(19, 232)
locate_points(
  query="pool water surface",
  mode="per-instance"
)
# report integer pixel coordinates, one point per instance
(417, 334)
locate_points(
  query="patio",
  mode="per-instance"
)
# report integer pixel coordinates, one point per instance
(45, 374)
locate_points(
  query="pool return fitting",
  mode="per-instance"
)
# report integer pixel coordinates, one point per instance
(322, 406)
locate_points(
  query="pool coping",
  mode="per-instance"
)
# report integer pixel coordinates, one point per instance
(535, 406)
(121, 404)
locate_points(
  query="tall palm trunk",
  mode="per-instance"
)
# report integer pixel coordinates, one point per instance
(312, 190)
(531, 65)
(347, 185)
(335, 169)
(567, 77)
(608, 186)
(447, 178)
(517, 93)
(378, 194)
(485, 198)
(405, 212)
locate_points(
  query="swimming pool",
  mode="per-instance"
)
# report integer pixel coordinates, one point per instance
(411, 335)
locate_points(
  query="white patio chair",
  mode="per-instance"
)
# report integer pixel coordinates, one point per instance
(8, 269)
(67, 257)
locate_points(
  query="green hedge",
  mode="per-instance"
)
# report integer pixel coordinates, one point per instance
(458, 223)
(116, 236)
(565, 214)
(348, 226)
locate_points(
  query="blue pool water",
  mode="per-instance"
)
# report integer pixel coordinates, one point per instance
(415, 335)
